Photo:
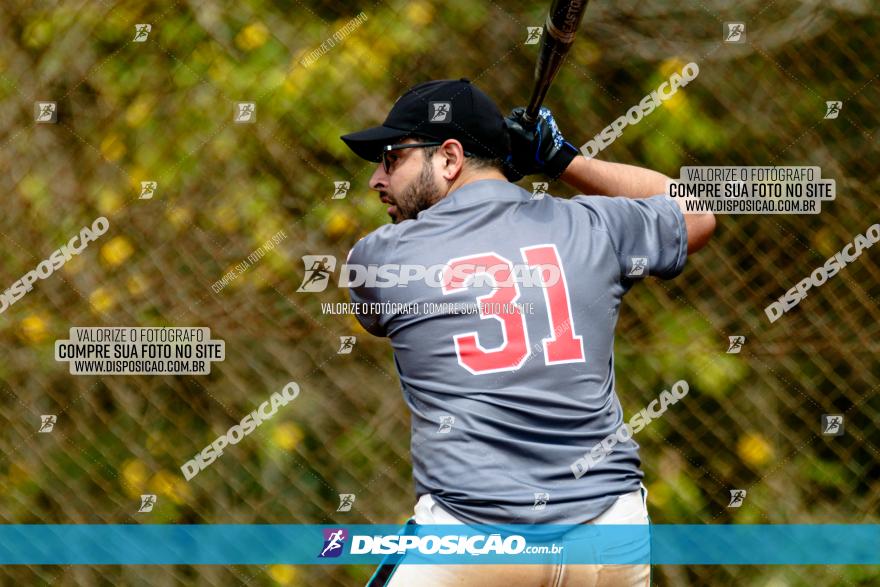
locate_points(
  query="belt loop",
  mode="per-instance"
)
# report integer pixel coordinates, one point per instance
(644, 495)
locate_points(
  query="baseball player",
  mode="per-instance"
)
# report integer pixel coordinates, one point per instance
(505, 399)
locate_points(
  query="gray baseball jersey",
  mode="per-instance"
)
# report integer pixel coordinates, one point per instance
(504, 347)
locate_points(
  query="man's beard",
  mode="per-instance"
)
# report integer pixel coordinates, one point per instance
(420, 195)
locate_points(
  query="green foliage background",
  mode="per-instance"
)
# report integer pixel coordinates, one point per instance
(162, 110)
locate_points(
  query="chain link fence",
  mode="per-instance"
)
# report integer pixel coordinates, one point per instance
(163, 109)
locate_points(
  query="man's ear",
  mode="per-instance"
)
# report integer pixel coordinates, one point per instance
(452, 154)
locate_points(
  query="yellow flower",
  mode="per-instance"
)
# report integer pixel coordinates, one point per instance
(101, 300)
(275, 78)
(137, 113)
(136, 175)
(675, 102)
(260, 277)
(74, 266)
(116, 251)
(219, 70)
(287, 435)
(179, 216)
(38, 33)
(226, 218)
(825, 241)
(659, 493)
(134, 473)
(671, 65)
(170, 485)
(136, 284)
(299, 77)
(353, 324)
(282, 574)
(19, 473)
(32, 187)
(667, 68)
(587, 53)
(33, 329)
(754, 450)
(108, 201)
(253, 36)
(156, 443)
(112, 147)
(339, 224)
(419, 13)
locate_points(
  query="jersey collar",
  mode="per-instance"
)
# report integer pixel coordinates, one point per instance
(481, 191)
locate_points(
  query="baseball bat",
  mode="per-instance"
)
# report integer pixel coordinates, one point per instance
(562, 24)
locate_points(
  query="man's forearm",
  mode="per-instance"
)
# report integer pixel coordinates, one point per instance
(602, 178)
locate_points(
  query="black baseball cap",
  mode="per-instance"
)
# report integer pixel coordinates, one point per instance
(438, 110)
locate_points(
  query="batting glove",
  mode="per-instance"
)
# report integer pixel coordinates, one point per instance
(536, 148)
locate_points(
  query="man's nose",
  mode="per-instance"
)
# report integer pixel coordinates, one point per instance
(379, 180)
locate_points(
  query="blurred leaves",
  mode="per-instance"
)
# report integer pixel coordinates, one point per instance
(162, 111)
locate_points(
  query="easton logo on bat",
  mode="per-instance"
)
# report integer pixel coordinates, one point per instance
(573, 15)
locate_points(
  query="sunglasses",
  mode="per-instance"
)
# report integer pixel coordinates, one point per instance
(386, 152)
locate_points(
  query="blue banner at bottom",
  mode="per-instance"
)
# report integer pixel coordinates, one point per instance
(119, 544)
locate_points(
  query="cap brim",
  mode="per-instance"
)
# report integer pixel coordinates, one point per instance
(368, 144)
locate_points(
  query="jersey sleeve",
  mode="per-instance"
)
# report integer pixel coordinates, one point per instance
(364, 296)
(649, 235)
